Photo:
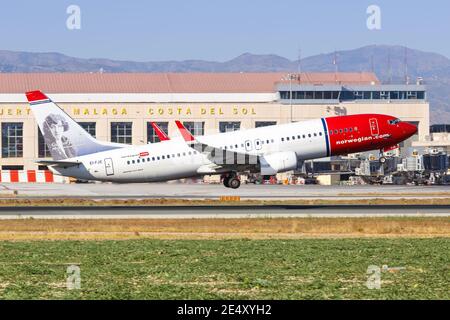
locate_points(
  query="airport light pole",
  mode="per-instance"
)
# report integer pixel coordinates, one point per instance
(290, 95)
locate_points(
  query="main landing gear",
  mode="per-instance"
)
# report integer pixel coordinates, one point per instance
(231, 181)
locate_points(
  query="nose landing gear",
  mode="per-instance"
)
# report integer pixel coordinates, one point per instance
(231, 181)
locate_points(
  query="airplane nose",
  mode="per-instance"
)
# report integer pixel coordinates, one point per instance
(409, 129)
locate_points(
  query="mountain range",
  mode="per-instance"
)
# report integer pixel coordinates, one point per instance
(390, 63)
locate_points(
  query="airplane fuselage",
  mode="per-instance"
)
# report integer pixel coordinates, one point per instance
(175, 159)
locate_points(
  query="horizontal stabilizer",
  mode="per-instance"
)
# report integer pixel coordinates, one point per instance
(57, 163)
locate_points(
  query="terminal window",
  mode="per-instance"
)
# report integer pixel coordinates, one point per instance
(121, 132)
(43, 151)
(259, 124)
(196, 128)
(152, 137)
(89, 127)
(229, 126)
(12, 140)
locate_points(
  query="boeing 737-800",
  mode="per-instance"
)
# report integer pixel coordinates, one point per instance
(266, 150)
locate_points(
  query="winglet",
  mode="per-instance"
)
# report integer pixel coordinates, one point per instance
(161, 134)
(187, 136)
(37, 95)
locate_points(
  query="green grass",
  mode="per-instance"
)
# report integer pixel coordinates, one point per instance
(226, 269)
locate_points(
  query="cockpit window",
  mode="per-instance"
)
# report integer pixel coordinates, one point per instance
(394, 121)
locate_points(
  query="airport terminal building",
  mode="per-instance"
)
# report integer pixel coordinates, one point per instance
(119, 107)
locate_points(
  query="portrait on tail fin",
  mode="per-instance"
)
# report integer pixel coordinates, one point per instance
(59, 144)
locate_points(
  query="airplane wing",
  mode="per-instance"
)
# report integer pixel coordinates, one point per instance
(222, 160)
(225, 160)
(59, 163)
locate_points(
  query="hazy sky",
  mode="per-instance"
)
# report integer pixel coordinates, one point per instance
(219, 30)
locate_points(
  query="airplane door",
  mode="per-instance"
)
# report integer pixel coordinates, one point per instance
(248, 145)
(373, 123)
(109, 168)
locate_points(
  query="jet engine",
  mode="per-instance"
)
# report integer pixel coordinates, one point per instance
(278, 162)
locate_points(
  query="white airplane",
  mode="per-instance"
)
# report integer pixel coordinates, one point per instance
(266, 150)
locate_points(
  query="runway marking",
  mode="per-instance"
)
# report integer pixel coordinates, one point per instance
(226, 211)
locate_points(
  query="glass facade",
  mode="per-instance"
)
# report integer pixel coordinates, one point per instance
(229, 126)
(12, 139)
(89, 127)
(196, 128)
(121, 132)
(353, 95)
(152, 137)
(259, 124)
(43, 151)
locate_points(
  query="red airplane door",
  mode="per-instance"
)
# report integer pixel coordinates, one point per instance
(373, 123)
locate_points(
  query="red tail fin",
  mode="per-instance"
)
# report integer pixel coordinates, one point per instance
(187, 136)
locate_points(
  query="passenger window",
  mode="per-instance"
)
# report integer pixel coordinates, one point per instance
(133, 161)
(287, 138)
(236, 146)
(293, 137)
(168, 156)
(309, 135)
(178, 155)
(345, 130)
(282, 139)
(184, 154)
(158, 158)
(272, 140)
(163, 157)
(320, 133)
(331, 132)
(128, 162)
(189, 153)
(153, 158)
(298, 137)
(315, 134)
(304, 136)
(340, 130)
(335, 131)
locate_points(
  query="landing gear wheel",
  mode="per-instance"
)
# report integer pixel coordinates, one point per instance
(382, 159)
(226, 182)
(234, 183)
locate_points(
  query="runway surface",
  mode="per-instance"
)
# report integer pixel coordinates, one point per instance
(188, 212)
(214, 191)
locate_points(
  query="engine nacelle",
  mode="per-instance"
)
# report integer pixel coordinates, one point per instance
(278, 162)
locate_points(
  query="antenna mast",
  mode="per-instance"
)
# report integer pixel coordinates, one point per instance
(406, 66)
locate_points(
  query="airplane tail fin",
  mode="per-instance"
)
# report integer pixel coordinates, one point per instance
(64, 137)
(187, 136)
